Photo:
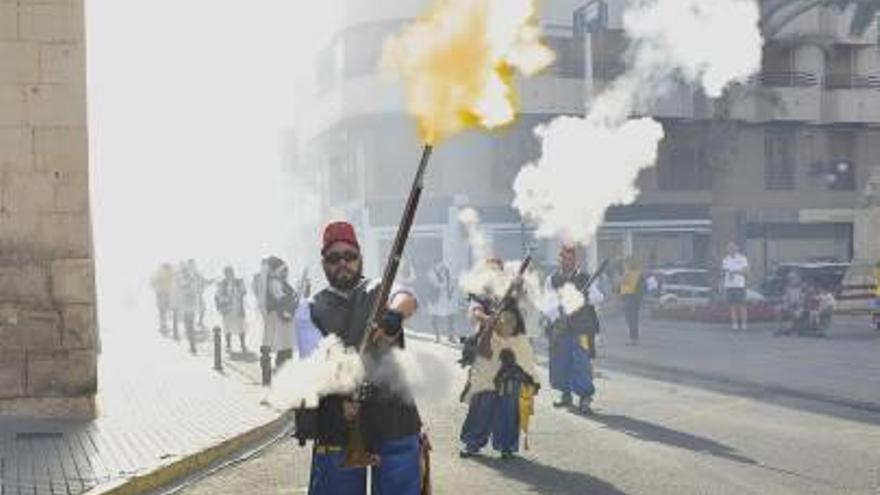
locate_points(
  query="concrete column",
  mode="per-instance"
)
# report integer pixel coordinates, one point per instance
(48, 329)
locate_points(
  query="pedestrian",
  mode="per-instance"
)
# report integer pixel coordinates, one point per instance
(572, 332)
(162, 284)
(735, 267)
(229, 300)
(201, 285)
(498, 383)
(876, 312)
(281, 303)
(186, 304)
(443, 302)
(389, 423)
(632, 291)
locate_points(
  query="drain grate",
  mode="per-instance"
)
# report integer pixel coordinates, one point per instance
(38, 435)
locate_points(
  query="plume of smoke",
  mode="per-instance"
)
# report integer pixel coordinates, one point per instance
(414, 376)
(571, 299)
(480, 277)
(458, 63)
(588, 164)
(332, 368)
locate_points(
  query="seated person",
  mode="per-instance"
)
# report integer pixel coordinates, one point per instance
(793, 308)
(820, 317)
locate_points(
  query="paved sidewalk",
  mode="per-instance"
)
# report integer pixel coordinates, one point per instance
(160, 410)
(844, 367)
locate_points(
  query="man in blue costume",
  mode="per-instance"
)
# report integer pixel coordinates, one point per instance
(572, 333)
(498, 384)
(390, 424)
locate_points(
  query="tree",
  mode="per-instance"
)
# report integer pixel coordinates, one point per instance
(776, 14)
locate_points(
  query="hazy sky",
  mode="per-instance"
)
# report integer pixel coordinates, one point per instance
(188, 103)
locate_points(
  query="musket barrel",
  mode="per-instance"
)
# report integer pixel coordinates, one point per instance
(403, 229)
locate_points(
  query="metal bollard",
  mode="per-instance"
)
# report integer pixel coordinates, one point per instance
(266, 364)
(218, 349)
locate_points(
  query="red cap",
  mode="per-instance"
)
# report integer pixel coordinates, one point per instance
(339, 232)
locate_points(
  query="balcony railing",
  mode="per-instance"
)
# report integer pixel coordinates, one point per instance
(787, 79)
(851, 81)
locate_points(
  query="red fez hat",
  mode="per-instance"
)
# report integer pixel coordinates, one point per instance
(339, 232)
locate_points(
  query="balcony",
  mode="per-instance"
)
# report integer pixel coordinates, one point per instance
(852, 98)
(780, 96)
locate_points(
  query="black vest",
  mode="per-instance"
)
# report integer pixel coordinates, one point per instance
(384, 417)
(585, 320)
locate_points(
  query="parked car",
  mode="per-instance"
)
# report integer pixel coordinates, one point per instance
(827, 275)
(688, 286)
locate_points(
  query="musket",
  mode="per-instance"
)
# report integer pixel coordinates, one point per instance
(380, 304)
(584, 289)
(484, 336)
(480, 343)
(356, 454)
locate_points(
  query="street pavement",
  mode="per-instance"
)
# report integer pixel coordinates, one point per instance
(670, 433)
(157, 404)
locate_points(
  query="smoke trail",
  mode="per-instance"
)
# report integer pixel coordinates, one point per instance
(459, 60)
(588, 164)
(332, 368)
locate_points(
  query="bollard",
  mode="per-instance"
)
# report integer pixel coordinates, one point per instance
(218, 348)
(266, 364)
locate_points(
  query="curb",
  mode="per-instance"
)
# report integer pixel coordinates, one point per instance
(632, 365)
(194, 463)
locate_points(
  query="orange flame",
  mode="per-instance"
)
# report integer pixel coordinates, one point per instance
(459, 62)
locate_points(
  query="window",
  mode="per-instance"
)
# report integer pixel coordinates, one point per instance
(841, 174)
(840, 68)
(569, 52)
(778, 68)
(682, 164)
(364, 45)
(608, 48)
(779, 160)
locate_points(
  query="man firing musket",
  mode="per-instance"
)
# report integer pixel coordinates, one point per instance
(389, 424)
(501, 381)
(375, 427)
(572, 331)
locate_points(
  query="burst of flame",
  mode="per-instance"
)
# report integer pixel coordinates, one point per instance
(458, 63)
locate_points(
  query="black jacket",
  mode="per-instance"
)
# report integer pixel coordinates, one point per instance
(384, 416)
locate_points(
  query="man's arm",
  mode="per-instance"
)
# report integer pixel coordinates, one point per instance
(405, 303)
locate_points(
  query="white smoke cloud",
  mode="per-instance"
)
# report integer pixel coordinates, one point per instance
(332, 368)
(571, 299)
(588, 164)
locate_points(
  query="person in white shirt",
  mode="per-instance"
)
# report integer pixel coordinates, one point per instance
(735, 267)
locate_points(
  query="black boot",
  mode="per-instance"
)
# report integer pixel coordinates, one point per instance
(584, 405)
(564, 401)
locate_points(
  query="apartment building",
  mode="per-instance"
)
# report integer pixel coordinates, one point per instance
(780, 166)
(365, 148)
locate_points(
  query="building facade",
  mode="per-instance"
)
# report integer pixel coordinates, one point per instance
(365, 146)
(48, 335)
(779, 165)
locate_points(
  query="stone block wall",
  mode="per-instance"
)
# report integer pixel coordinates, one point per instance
(48, 328)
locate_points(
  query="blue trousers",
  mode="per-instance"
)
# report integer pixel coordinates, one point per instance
(398, 474)
(570, 368)
(491, 414)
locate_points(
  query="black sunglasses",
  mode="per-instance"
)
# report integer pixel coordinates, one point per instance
(334, 258)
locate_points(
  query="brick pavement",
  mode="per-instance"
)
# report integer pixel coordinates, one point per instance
(157, 405)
